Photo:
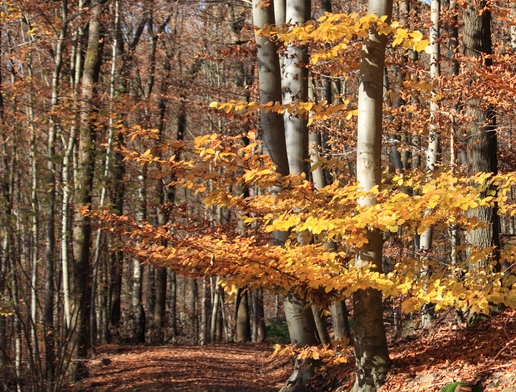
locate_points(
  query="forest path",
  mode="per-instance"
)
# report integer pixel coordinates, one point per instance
(227, 367)
(423, 361)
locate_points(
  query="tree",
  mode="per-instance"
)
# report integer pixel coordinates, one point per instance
(287, 146)
(372, 357)
(86, 162)
(482, 141)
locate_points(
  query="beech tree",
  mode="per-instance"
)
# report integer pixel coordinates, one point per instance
(372, 357)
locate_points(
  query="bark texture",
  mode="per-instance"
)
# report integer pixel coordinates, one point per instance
(482, 140)
(84, 180)
(372, 357)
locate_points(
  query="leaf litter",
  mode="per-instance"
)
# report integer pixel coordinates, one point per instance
(426, 361)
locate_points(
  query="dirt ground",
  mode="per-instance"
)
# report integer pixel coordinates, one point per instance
(220, 367)
(425, 361)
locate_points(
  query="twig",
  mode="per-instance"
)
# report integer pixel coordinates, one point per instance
(499, 352)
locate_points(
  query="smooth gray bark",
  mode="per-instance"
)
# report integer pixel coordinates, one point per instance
(425, 241)
(294, 86)
(272, 127)
(372, 357)
(299, 317)
(339, 314)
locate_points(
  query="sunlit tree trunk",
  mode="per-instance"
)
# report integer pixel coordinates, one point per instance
(425, 241)
(139, 318)
(204, 331)
(294, 86)
(372, 357)
(299, 317)
(48, 313)
(77, 63)
(271, 123)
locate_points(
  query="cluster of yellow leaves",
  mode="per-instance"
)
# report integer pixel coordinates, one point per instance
(318, 111)
(337, 31)
(331, 214)
(328, 354)
(330, 39)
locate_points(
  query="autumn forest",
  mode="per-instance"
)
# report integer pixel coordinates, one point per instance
(325, 176)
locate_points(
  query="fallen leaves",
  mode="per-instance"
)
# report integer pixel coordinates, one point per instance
(218, 367)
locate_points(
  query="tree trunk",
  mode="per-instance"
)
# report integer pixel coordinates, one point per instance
(204, 330)
(243, 323)
(259, 331)
(161, 296)
(294, 86)
(300, 320)
(192, 283)
(86, 161)
(215, 309)
(372, 357)
(173, 307)
(425, 241)
(482, 141)
(271, 123)
(339, 314)
(320, 324)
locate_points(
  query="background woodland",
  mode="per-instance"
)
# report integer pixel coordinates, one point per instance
(147, 196)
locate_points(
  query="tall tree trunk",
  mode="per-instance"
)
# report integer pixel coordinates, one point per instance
(215, 309)
(48, 313)
(299, 317)
(482, 140)
(194, 323)
(294, 86)
(204, 332)
(3, 267)
(85, 173)
(271, 123)
(425, 241)
(103, 193)
(139, 318)
(372, 357)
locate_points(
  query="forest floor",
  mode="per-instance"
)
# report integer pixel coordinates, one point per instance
(424, 360)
